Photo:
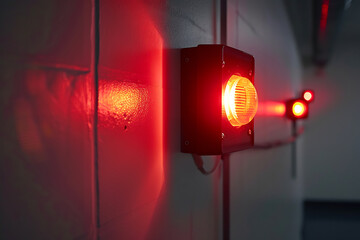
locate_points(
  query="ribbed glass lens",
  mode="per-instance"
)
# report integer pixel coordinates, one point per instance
(240, 100)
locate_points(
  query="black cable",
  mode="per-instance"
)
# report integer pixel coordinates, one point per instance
(226, 196)
(223, 22)
(225, 157)
(278, 143)
(200, 164)
(293, 149)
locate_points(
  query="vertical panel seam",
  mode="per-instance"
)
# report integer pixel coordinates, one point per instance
(96, 51)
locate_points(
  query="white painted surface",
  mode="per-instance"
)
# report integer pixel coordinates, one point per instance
(332, 153)
(265, 200)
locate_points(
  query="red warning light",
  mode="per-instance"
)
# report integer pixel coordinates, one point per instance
(218, 100)
(308, 95)
(296, 109)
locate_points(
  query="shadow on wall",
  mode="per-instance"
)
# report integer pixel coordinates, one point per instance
(331, 220)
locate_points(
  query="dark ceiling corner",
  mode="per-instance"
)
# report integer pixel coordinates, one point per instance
(316, 24)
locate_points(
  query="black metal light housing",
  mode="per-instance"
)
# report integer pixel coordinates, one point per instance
(218, 100)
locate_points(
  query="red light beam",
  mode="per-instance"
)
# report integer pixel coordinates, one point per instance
(271, 109)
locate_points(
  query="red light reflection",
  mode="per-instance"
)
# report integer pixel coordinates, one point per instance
(271, 109)
(130, 120)
(27, 129)
(122, 102)
(324, 16)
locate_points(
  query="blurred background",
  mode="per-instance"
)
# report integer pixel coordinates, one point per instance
(90, 120)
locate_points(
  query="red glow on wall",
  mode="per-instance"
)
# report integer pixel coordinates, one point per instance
(271, 109)
(131, 146)
(26, 127)
(324, 16)
(125, 103)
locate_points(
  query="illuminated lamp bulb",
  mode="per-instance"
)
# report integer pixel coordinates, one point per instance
(298, 109)
(240, 100)
(308, 96)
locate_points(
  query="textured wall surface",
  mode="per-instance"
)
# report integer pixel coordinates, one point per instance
(46, 127)
(148, 189)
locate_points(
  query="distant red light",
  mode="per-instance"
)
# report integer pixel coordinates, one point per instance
(299, 109)
(308, 95)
